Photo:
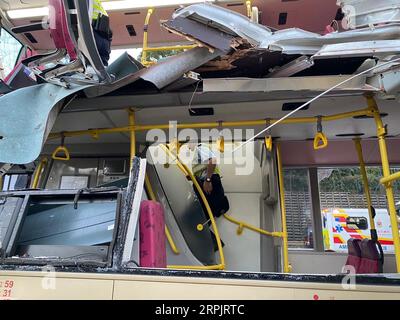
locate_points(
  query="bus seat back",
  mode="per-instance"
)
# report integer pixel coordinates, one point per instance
(354, 254)
(371, 260)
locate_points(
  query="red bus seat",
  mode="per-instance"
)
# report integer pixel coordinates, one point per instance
(371, 257)
(354, 254)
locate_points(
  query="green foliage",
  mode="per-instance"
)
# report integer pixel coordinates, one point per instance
(347, 179)
(155, 56)
(296, 180)
(350, 180)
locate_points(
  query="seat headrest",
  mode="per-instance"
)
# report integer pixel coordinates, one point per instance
(353, 246)
(369, 250)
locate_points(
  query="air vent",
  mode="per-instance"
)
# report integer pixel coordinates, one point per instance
(131, 30)
(350, 135)
(198, 112)
(290, 106)
(383, 115)
(282, 18)
(131, 13)
(235, 4)
(30, 37)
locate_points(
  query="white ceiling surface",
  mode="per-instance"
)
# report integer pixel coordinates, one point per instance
(235, 112)
(22, 4)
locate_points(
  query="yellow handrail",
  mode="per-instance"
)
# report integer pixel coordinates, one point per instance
(242, 225)
(146, 35)
(152, 196)
(381, 133)
(189, 174)
(367, 192)
(248, 7)
(391, 178)
(339, 116)
(133, 135)
(38, 172)
(286, 266)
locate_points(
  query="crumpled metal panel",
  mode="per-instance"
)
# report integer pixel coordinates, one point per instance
(292, 41)
(227, 21)
(366, 12)
(297, 41)
(359, 49)
(193, 29)
(27, 116)
(161, 74)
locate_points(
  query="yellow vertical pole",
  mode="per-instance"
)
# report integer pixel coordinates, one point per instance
(286, 267)
(381, 133)
(150, 11)
(367, 192)
(248, 7)
(133, 135)
(1, 182)
(38, 172)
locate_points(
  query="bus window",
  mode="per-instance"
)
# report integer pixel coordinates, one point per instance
(16, 182)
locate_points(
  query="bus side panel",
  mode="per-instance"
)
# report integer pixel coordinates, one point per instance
(51, 287)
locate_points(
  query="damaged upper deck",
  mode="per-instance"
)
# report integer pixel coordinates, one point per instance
(252, 50)
(279, 63)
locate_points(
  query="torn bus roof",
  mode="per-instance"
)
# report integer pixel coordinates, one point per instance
(207, 24)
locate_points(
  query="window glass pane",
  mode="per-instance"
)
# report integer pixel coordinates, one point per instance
(9, 52)
(298, 208)
(344, 207)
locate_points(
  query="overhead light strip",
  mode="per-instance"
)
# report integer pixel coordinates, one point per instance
(108, 6)
(129, 4)
(28, 13)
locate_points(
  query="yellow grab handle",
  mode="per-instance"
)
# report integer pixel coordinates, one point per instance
(239, 230)
(221, 144)
(320, 141)
(60, 149)
(268, 143)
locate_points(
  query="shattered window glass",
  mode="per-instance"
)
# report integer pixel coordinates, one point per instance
(10, 49)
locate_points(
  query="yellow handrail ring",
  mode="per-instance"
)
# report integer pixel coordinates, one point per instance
(320, 141)
(60, 149)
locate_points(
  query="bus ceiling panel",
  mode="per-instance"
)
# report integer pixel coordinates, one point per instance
(240, 90)
(289, 86)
